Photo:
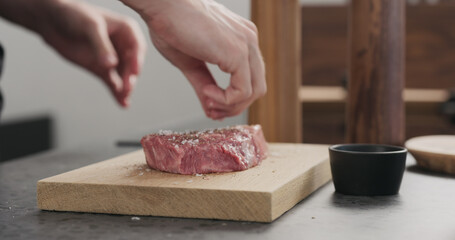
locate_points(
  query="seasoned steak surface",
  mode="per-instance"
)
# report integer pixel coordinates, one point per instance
(209, 151)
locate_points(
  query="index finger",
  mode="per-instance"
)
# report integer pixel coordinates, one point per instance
(239, 89)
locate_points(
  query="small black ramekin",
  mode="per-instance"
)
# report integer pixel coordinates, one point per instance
(367, 169)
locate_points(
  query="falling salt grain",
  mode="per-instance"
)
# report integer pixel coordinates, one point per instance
(275, 154)
(175, 183)
(141, 173)
(135, 218)
(198, 175)
(224, 224)
(148, 170)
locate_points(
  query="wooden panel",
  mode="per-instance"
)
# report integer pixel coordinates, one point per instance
(324, 122)
(279, 111)
(375, 110)
(125, 185)
(324, 45)
(318, 94)
(430, 45)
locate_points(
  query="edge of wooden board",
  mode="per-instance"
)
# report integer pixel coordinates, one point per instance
(142, 202)
(286, 197)
(240, 205)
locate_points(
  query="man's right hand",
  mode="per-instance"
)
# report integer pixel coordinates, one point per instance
(191, 33)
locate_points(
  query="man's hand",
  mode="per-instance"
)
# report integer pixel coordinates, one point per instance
(191, 33)
(109, 45)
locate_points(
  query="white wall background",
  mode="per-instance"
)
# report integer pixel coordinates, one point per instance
(36, 80)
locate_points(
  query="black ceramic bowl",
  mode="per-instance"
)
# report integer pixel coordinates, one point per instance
(367, 169)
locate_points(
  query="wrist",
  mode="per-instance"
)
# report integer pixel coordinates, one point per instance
(148, 9)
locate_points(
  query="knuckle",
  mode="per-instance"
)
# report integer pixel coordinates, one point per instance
(95, 23)
(251, 37)
(131, 23)
(262, 91)
(235, 55)
(248, 92)
(253, 27)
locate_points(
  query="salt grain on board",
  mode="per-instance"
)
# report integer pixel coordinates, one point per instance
(189, 181)
(135, 218)
(275, 154)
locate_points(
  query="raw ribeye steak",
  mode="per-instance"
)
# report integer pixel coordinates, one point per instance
(209, 151)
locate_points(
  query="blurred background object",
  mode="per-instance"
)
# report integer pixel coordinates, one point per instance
(430, 70)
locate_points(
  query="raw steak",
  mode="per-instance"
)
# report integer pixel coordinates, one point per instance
(209, 151)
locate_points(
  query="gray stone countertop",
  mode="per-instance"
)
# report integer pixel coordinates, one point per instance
(424, 209)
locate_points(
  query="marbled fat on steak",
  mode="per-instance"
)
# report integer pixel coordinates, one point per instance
(209, 151)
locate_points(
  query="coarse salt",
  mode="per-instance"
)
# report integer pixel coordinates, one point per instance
(165, 132)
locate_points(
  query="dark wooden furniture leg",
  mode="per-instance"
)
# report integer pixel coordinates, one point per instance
(279, 112)
(375, 109)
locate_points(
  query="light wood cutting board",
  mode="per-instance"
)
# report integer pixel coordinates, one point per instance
(125, 185)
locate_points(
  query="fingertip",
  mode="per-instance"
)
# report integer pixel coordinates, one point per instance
(132, 81)
(210, 103)
(215, 93)
(127, 103)
(109, 60)
(217, 115)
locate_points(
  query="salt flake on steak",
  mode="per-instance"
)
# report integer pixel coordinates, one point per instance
(208, 151)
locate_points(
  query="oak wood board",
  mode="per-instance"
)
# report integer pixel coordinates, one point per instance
(126, 185)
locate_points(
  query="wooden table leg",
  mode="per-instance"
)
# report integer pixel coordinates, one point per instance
(279, 26)
(375, 108)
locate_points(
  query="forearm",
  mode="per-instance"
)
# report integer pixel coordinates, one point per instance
(27, 13)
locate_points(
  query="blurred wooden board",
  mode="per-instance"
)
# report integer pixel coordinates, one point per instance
(436, 153)
(125, 185)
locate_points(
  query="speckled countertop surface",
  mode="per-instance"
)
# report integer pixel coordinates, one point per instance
(424, 209)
